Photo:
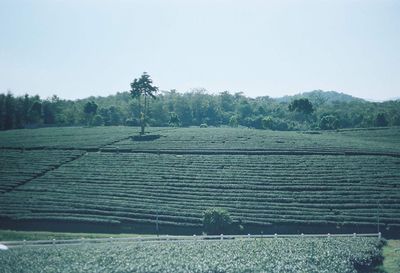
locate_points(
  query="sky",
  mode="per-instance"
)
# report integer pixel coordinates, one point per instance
(80, 48)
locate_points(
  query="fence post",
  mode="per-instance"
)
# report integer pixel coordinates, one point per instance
(379, 235)
(276, 235)
(354, 234)
(222, 236)
(248, 235)
(329, 235)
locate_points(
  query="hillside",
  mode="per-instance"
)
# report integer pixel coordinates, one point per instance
(100, 179)
(320, 96)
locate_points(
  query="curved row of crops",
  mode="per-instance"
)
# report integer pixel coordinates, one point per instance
(243, 139)
(17, 167)
(341, 255)
(277, 189)
(66, 137)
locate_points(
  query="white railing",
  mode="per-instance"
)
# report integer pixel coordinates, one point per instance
(180, 238)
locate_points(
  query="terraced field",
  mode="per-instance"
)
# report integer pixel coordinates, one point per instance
(341, 255)
(18, 166)
(343, 181)
(255, 189)
(384, 140)
(66, 137)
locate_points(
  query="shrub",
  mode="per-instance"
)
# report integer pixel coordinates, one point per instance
(216, 221)
(329, 122)
(98, 120)
(233, 121)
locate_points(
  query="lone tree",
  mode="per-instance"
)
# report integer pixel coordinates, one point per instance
(143, 87)
(216, 221)
(90, 110)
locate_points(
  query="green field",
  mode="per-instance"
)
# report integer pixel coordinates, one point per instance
(67, 137)
(18, 166)
(287, 255)
(13, 235)
(383, 140)
(314, 182)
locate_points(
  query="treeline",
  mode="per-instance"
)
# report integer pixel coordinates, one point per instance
(196, 108)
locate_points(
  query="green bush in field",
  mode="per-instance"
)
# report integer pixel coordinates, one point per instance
(216, 221)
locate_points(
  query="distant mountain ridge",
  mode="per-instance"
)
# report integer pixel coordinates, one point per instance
(321, 96)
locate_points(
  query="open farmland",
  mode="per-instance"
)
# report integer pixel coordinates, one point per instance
(18, 166)
(129, 188)
(66, 137)
(341, 255)
(295, 182)
(383, 140)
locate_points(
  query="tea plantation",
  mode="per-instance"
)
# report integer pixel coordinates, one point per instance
(104, 180)
(341, 255)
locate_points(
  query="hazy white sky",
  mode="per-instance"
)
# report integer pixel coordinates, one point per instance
(78, 48)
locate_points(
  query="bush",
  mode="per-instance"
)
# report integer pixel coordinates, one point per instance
(329, 122)
(233, 121)
(277, 124)
(216, 221)
(98, 120)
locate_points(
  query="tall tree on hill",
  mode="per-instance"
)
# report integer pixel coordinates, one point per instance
(143, 87)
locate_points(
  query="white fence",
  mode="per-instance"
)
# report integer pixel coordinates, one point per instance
(167, 238)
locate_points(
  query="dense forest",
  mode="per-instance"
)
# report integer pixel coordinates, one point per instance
(312, 110)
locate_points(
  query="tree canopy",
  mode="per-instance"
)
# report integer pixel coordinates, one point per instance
(143, 87)
(195, 108)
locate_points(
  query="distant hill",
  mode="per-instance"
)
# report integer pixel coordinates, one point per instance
(320, 96)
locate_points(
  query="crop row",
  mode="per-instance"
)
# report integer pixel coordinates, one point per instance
(233, 138)
(254, 189)
(66, 137)
(342, 255)
(17, 167)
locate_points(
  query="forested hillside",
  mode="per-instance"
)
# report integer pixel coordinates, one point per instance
(326, 110)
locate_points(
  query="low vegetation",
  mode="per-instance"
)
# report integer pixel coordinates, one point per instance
(341, 255)
(268, 181)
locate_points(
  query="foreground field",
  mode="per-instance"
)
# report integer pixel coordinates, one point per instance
(331, 255)
(13, 235)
